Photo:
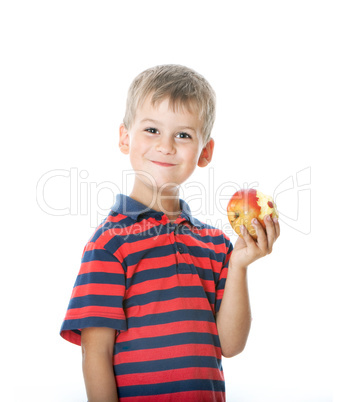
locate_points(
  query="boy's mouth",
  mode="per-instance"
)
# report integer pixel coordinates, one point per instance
(163, 164)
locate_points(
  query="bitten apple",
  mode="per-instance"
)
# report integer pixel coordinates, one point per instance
(245, 205)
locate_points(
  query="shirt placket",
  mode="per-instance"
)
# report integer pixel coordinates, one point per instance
(181, 250)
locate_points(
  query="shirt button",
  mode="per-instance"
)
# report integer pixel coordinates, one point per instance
(180, 249)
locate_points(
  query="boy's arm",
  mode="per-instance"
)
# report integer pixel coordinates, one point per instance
(234, 316)
(97, 363)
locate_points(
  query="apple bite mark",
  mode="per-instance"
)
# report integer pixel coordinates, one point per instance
(267, 206)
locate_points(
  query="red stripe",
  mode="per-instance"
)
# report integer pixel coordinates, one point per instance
(160, 284)
(171, 259)
(107, 235)
(190, 396)
(117, 218)
(206, 263)
(151, 263)
(71, 337)
(101, 266)
(189, 373)
(213, 232)
(145, 244)
(192, 241)
(168, 329)
(170, 283)
(168, 305)
(168, 352)
(93, 311)
(98, 289)
(89, 247)
(151, 285)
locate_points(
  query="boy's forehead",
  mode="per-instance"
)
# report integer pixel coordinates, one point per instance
(167, 108)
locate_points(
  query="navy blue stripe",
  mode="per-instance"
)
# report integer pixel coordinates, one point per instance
(167, 364)
(169, 271)
(184, 268)
(158, 251)
(214, 238)
(171, 387)
(132, 232)
(96, 300)
(166, 294)
(221, 285)
(143, 231)
(87, 322)
(170, 317)
(98, 255)
(186, 338)
(152, 252)
(100, 277)
(207, 274)
(151, 274)
(198, 251)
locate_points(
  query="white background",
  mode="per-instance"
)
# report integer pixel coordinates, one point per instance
(279, 71)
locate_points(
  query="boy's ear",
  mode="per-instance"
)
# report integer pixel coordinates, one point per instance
(206, 154)
(123, 139)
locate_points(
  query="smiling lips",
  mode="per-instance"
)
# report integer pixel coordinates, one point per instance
(163, 164)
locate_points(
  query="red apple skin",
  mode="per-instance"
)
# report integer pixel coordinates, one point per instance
(242, 208)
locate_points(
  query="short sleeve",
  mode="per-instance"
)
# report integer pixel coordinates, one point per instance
(223, 274)
(97, 296)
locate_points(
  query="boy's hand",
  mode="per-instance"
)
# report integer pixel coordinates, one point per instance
(247, 250)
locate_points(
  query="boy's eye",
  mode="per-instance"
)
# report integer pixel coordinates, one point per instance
(184, 135)
(152, 130)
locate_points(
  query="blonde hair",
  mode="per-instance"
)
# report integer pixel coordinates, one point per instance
(183, 86)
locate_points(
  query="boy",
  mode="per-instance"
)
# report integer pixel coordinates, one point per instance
(154, 305)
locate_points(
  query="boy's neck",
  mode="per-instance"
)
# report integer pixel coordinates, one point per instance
(167, 202)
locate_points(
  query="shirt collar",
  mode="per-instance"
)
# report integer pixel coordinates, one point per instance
(126, 205)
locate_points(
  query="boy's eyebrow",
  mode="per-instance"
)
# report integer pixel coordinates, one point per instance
(158, 122)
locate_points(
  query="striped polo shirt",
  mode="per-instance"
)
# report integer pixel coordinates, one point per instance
(159, 285)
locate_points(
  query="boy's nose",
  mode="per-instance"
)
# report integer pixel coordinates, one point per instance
(165, 145)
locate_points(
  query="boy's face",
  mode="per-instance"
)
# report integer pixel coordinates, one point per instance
(164, 146)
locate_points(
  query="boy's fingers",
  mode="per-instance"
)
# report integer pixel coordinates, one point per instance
(277, 227)
(246, 236)
(262, 238)
(271, 232)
